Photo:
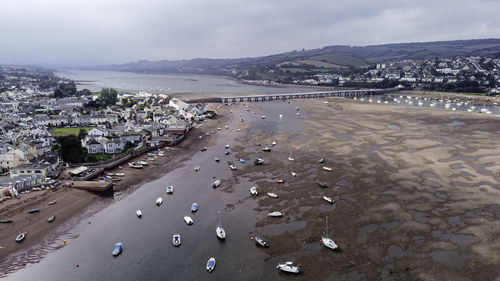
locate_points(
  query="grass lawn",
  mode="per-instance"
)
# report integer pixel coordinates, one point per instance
(69, 131)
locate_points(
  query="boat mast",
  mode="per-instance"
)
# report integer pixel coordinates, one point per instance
(327, 226)
(218, 215)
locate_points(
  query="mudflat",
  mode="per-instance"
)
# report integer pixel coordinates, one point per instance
(417, 191)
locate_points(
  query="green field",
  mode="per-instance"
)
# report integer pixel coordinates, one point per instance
(57, 132)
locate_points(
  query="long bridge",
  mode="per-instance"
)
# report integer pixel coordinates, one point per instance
(287, 96)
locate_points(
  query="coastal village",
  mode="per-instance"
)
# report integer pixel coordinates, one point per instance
(31, 116)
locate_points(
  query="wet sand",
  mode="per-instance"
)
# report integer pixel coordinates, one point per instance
(417, 191)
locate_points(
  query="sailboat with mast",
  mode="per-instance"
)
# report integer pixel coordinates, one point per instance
(221, 233)
(326, 240)
(290, 158)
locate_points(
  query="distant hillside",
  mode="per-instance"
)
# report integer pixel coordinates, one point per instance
(330, 59)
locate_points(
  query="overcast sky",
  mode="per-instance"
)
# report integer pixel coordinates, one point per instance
(90, 32)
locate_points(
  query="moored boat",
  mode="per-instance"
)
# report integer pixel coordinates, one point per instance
(52, 202)
(194, 207)
(20, 237)
(197, 168)
(329, 199)
(6, 221)
(51, 218)
(211, 264)
(266, 149)
(275, 214)
(119, 174)
(188, 220)
(280, 181)
(327, 169)
(143, 163)
(242, 160)
(135, 165)
(138, 213)
(227, 152)
(176, 240)
(33, 211)
(203, 148)
(117, 249)
(253, 191)
(272, 195)
(258, 161)
(159, 200)
(216, 159)
(322, 184)
(294, 174)
(326, 240)
(232, 167)
(321, 161)
(170, 189)
(261, 242)
(216, 183)
(288, 267)
(221, 233)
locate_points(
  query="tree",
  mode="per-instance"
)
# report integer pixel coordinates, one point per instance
(82, 134)
(108, 96)
(71, 149)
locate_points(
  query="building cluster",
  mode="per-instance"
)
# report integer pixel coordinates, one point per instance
(27, 118)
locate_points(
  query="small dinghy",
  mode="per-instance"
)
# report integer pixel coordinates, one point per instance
(170, 189)
(227, 146)
(288, 267)
(272, 195)
(273, 143)
(321, 161)
(232, 167)
(216, 159)
(33, 211)
(6, 221)
(52, 202)
(197, 168)
(143, 163)
(188, 220)
(258, 161)
(120, 174)
(227, 152)
(327, 169)
(211, 264)
(194, 207)
(242, 160)
(322, 184)
(176, 240)
(159, 200)
(216, 183)
(20, 237)
(51, 218)
(275, 214)
(294, 174)
(266, 149)
(138, 213)
(253, 191)
(329, 199)
(263, 117)
(134, 165)
(261, 242)
(203, 148)
(280, 181)
(117, 249)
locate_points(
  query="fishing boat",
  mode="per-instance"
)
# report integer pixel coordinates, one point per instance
(327, 241)
(135, 165)
(216, 159)
(275, 214)
(253, 191)
(117, 249)
(6, 221)
(221, 233)
(294, 174)
(322, 184)
(197, 168)
(266, 149)
(258, 161)
(329, 199)
(216, 183)
(327, 169)
(138, 213)
(232, 167)
(203, 148)
(194, 207)
(159, 200)
(188, 220)
(176, 240)
(280, 181)
(227, 152)
(170, 189)
(290, 158)
(288, 267)
(261, 242)
(272, 195)
(52, 202)
(51, 218)
(20, 237)
(242, 160)
(211, 264)
(33, 211)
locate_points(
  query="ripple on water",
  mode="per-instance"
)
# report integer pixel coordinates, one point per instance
(457, 166)
(418, 216)
(441, 195)
(390, 225)
(344, 183)
(386, 198)
(460, 239)
(395, 252)
(431, 183)
(365, 231)
(429, 175)
(450, 258)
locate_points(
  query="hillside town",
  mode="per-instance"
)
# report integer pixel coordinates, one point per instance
(31, 152)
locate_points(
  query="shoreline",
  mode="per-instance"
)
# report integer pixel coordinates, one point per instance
(73, 203)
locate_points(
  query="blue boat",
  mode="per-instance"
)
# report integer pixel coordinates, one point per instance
(33, 211)
(242, 160)
(228, 151)
(117, 249)
(194, 207)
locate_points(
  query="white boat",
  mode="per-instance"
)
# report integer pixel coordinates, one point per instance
(281, 116)
(327, 169)
(263, 117)
(159, 200)
(261, 242)
(327, 241)
(266, 149)
(433, 104)
(170, 189)
(329, 199)
(258, 161)
(188, 220)
(197, 168)
(211, 264)
(138, 213)
(135, 165)
(216, 183)
(253, 191)
(232, 167)
(275, 214)
(120, 174)
(447, 105)
(20, 237)
(176, 240)
(288, 267)
(298, 113)
(272, 195)
(143, 163)
(216, 159)
(420, 103)
(290, 158)
(221, 233)
(273, 143)
(294, 174)
(117, 249)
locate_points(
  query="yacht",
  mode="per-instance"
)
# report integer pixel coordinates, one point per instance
(221, 233)
(188, 220)
(135, 165)
(275, 214)
(159, 200)
(211, 264)
(194, 207)
(327, 241)
(289, 267)
(176, 240)
(261, 242)
(138, 213)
